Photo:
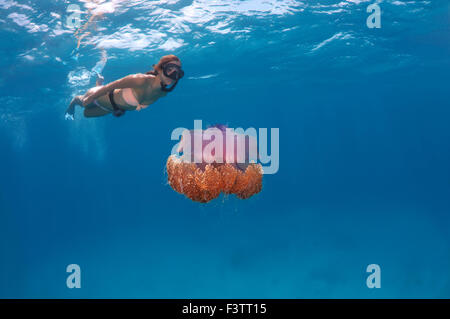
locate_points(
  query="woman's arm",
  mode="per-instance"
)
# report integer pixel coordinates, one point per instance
(130, 81)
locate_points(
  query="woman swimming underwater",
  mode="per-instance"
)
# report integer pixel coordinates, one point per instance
(133, 92)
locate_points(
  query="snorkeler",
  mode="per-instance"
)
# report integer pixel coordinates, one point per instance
(133, 92)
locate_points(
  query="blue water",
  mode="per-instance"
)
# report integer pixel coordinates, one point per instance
(364, 173)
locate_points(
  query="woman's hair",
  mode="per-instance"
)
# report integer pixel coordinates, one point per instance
(165, 59)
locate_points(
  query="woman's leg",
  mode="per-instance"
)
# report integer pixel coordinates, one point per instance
(95, 111)
(70, 112)
(92, 110)
(100, 79)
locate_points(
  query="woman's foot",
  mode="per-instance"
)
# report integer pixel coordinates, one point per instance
(70, 112)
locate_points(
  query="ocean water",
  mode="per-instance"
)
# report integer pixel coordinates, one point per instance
(364, 174)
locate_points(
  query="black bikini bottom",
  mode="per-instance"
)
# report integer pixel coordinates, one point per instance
(117, 111)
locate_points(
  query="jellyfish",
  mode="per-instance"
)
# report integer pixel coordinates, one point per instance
(214, 161)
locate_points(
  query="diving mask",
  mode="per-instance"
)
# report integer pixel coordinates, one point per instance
(173, 71)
